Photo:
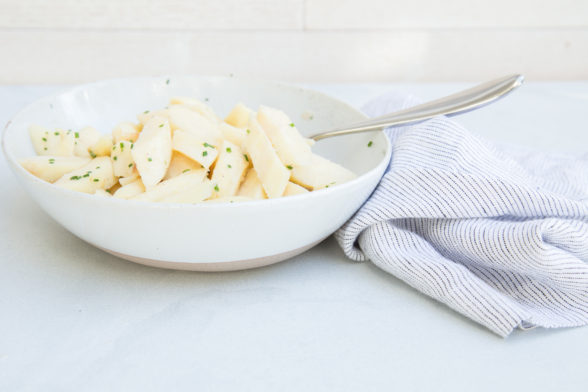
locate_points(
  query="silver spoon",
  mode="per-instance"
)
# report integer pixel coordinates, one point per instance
(452, 105)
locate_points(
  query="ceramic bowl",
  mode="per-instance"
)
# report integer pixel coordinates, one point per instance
(209, 236)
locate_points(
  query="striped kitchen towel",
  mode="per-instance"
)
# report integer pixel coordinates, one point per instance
(499, 234)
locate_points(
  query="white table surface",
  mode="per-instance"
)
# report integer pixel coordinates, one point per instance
(76, 318)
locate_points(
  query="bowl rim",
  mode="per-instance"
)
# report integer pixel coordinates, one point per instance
(16, 166)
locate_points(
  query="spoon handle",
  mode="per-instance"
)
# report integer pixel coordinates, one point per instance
(452, 105)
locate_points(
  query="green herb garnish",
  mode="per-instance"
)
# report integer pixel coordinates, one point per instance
(77, 135)
(56, 133)
(229, 149)
(51, 160)
(204, 153)
(216, 188)
(96, 180)
(44, 139)
(122, 146)
(229, 166)
(115, 157)
(146, 111)
(208, 145)
(246, 157)
(289, 167)
(72, 178)
(186, 170)
(92, 154)
(370, 143)
(130, 165)
(149, 159)
(160, 125)
(292, 125)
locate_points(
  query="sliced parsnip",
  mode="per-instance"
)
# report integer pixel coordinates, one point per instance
(239, 116)
(193, 185)
(130, 190)
(127, 180)
(229, 199)
(272, 173)
(290, 146)
(251, 187)
(180, 164)
(233, 134)
(194, 147)
(102, 147)
(229, 170)
(320, 173)
(152, 151)
(294, 189)
(55, 143)
(197, 106)
(125, 131)
(52, 168)
(96, 174)
(149, 114)
(102, 192)
(84, 139)
(195, 123)
(122, 158)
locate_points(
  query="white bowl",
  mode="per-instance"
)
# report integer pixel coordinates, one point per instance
(203, 237)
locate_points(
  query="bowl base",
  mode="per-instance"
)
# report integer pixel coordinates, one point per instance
(223, 266)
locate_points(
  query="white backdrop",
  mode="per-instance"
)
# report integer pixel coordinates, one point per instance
(68, 41)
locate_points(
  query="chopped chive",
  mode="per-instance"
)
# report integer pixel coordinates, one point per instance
(246, 157)
(167, 81)
(185, 170)
(149, 159)
(370, 143)
(44, 139)
(115, 158)
(146, 111)
(248, 131)
(229, 149)
(208, 145)
(216, 188)
(45, 148)
(108, 190)
(77, 135)
(289, 167)
(292, 125)
(86, 175)
(206, 99)
(122, 146)
(204, 153)
(51, 160)
(229, 166)
(160, 125)
(96, 180)
(72, 178)
(132, 145)
(113, 148)
(92, 154)
(130, 165)
(56, 133)
(97, 167)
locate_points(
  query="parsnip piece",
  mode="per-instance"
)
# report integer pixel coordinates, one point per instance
(320, 173)
(239, 116)
(130, 190)
(102, 147)
(55, 143)
(149, 114)
(127, 180)
(51, 168)
(229, 199)
(194, 147)
(84, 139)
(290, 146)
(197, 106)
(102, 192)
(125, 131)
(233, 134)
(293, 189)
(190, 121)
(152, 151)
(180, 164)
(229, 170)
(190, 187)
(122, 159)
(251, 187)
(96, 174)
(272, 173)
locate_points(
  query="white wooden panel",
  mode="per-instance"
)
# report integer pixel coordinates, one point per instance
(71, 57)
(386, 14)
(152, 14)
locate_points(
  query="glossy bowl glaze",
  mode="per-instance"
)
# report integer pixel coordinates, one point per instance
(209, 236)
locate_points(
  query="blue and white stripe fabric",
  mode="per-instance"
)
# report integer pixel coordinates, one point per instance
(499, 234)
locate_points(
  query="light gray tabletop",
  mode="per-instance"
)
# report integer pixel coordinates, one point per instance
(76, 318)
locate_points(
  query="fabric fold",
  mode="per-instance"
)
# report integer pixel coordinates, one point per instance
(497, 233)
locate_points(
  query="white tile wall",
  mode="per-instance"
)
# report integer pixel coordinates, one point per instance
(68, 41)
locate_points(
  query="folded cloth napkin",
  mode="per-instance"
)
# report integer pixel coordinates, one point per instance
(499, 234)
